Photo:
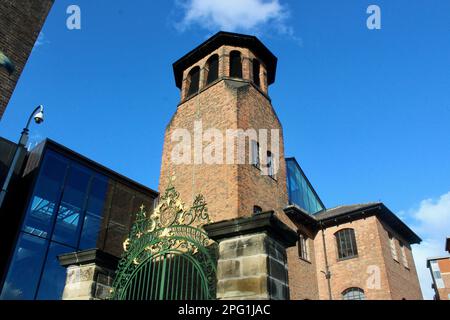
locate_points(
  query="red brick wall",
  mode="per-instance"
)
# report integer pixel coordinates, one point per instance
(403, 281)
(444, 267)
(352, 272)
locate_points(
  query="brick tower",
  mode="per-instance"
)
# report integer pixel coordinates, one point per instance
(224, 86)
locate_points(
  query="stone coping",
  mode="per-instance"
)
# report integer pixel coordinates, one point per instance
(263, 222)
(97, 256)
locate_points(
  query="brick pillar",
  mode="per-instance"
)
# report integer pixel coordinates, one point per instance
(89, 274)
(252, 260)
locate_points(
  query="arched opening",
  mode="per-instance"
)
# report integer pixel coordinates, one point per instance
(257, 210)
(213, 69)
(353, 294)
(235, 64)
(193, 81)
(256, 72)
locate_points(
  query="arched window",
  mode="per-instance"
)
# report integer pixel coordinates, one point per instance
(353, 294)
(235, 64)
(213, 69)
(257, 210)
(256, 71)
(194, 80)
(346, 243)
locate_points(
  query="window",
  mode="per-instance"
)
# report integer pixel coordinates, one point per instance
(194, 81)
(256, 71)
(353, 294)
(23, 275)
(301, 192)
(213, 69)
(270, 171)
(235, 64)
(255, 154)
(70, 211)
(436, 272)
(54, 275)
(257, 210)
(404, 258)
(46, 196)
(94, 213)
(346, 244)
(303, 250)
(393, 247)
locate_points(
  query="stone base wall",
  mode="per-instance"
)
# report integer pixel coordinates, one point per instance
(252, 267)
(88, 282)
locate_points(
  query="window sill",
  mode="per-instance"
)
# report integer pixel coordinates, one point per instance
(304, 260)
(260, 170)
(347, 258)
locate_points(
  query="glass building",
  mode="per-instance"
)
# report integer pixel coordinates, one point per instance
(301, 192)
(71, 204)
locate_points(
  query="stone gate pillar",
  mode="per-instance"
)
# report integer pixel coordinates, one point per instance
(89, 274)
(252, 260)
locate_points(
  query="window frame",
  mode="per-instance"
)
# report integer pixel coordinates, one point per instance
(393, 247)
(351, 244)
(303, 247)
(256, 63)
(257, 210)
(404, 257)
(256, 154)
(214, 58)
(236, 71)
(190, 92)
(269, 165)
(352, 291)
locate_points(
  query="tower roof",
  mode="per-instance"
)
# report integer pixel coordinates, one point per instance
(227, 38)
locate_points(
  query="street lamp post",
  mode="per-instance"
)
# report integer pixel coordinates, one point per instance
(38, 116)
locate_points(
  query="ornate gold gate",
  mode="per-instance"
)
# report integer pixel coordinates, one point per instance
(168, 256)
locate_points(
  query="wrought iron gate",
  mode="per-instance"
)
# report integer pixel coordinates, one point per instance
(168, 255)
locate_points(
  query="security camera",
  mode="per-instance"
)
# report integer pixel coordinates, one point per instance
(39, 117)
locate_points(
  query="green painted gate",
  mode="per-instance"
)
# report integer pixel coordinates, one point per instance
(168, 255)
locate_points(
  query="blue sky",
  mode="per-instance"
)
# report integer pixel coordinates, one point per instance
(365, 112)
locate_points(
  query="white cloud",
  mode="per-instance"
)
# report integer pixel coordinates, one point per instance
(432, 223)
(41, 40)
(236, 15)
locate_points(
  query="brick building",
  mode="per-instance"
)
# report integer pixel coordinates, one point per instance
(20, 24)
(349, 252)
(440, 273)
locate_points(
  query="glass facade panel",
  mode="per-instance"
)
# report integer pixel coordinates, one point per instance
(24, 272)
(94, 214)
(119, 223)
(71, 207)
(54, 275)
(39, 218)
(300, 190)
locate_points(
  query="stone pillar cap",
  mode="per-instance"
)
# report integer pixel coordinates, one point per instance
(264, 222)
(97, 256)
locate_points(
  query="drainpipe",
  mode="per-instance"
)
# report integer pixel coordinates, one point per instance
(327, 267)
